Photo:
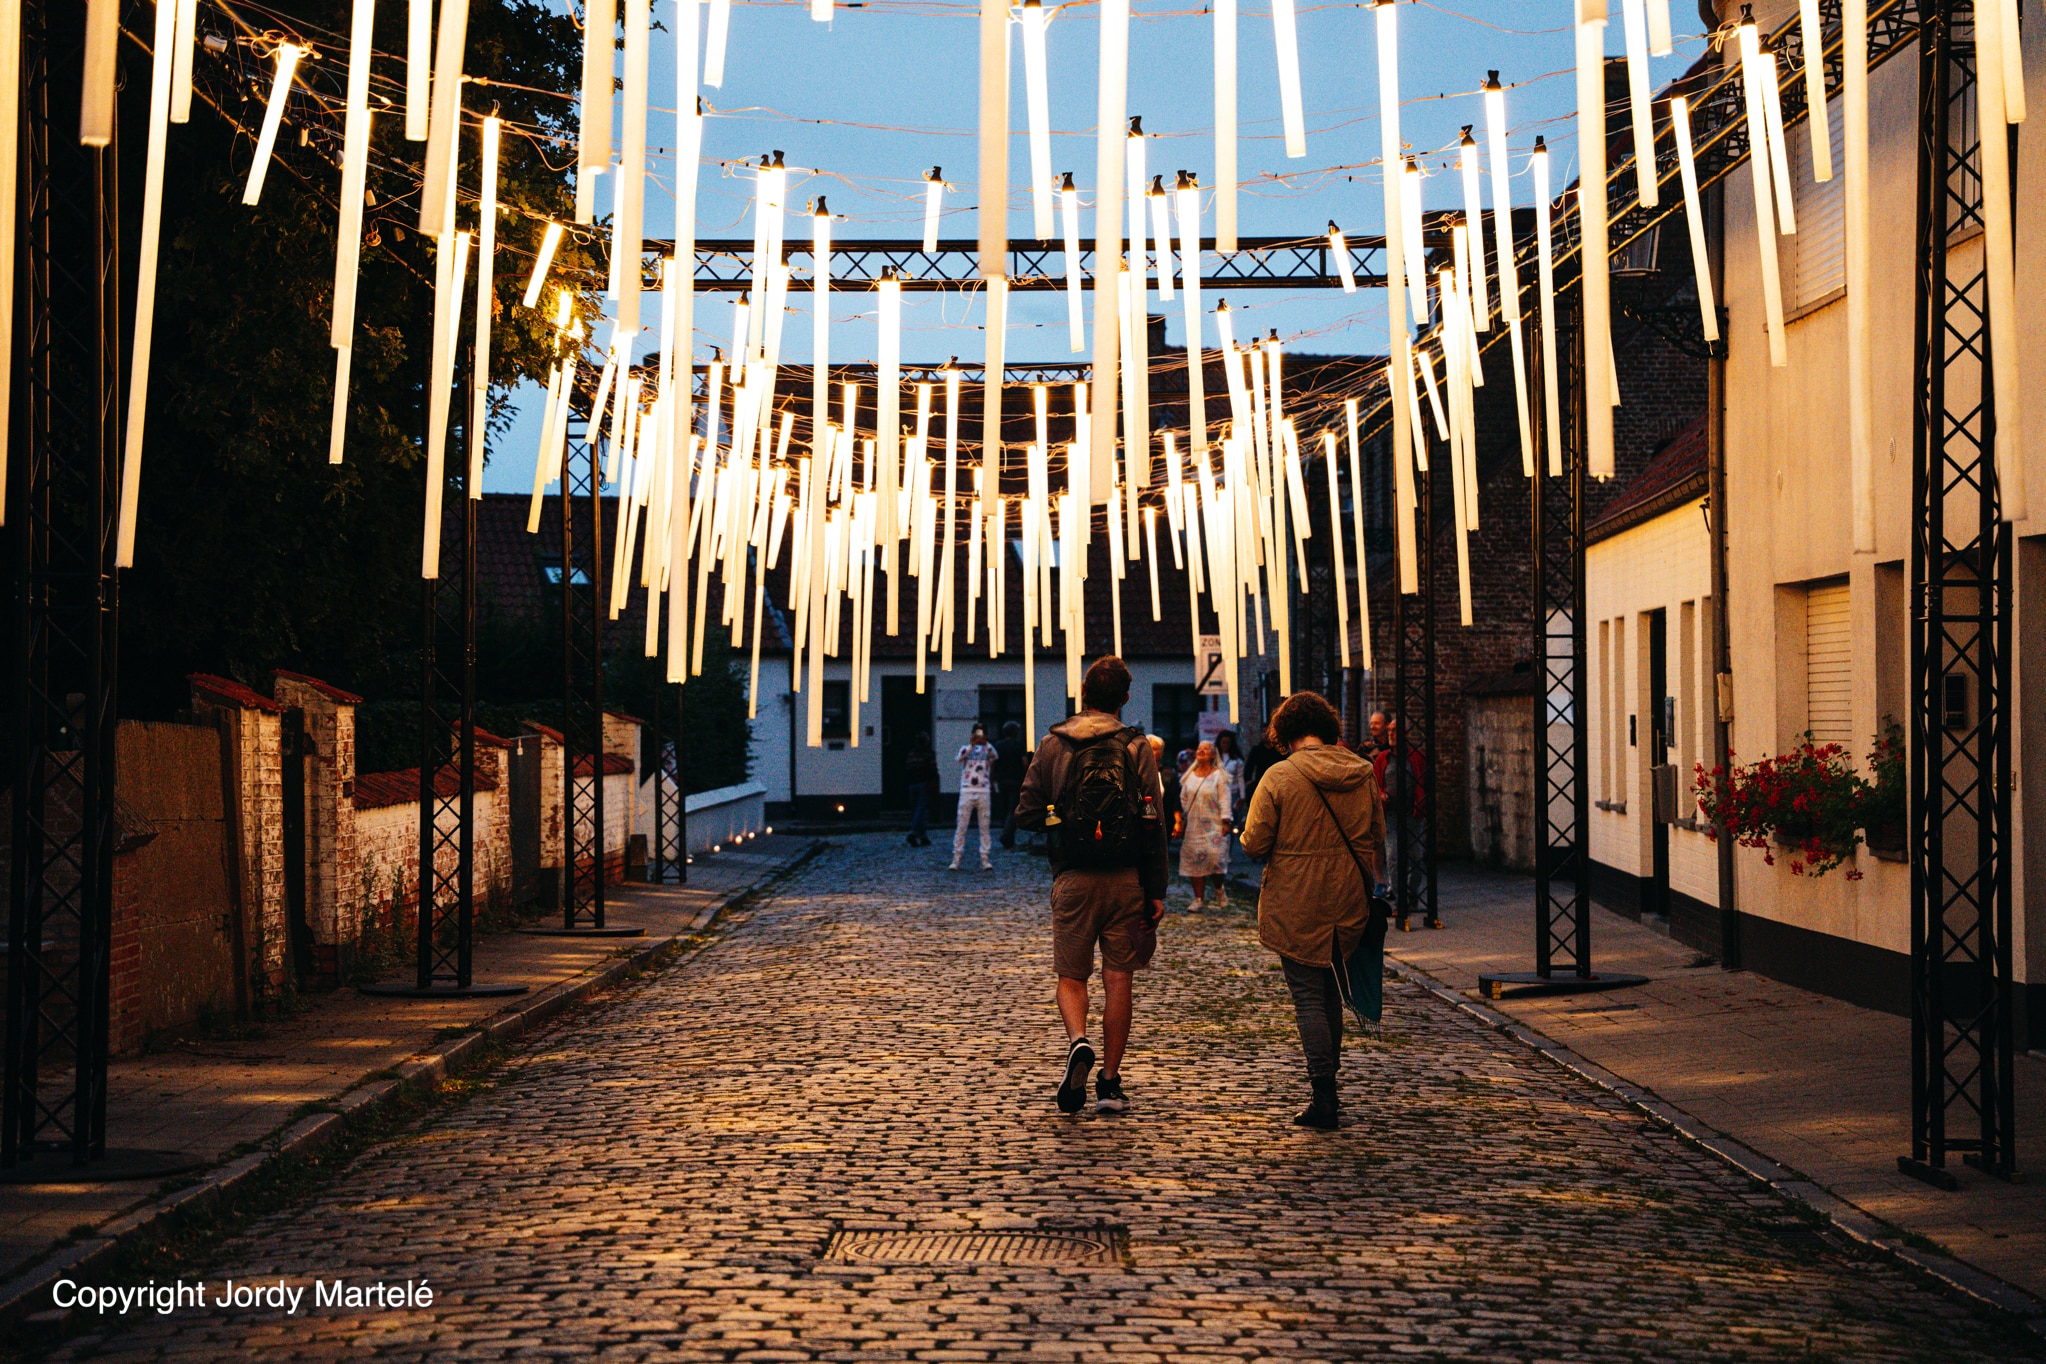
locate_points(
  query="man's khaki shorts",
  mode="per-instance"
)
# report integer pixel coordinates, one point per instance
(1095, 906)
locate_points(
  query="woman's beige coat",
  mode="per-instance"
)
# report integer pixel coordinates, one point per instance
(1312, 897)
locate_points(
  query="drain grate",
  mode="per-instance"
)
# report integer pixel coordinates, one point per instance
(1082, 1246)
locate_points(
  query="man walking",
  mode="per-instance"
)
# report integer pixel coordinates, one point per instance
(976, 780)
(1012, 755)
(1092, 788)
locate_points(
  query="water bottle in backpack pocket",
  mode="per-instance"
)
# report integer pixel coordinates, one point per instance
(1100, 805)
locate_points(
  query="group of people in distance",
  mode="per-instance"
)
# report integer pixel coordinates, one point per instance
(1109, 807)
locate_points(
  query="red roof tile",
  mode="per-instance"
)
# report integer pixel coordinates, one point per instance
(1672, 477)
(226, 689)
(326, 689)
(548, 732)
(614, 765)
(378, 790)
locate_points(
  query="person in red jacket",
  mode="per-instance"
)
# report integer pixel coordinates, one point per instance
(1408, 790)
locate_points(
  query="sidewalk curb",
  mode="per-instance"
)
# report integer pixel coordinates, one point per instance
(21, 1295)
(1958, 1277)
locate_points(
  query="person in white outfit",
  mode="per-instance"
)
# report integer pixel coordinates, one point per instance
(976, 795)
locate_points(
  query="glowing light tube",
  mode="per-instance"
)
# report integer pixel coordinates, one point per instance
(181, 61)
(1133, 190)
(1474, 224)
(934, 203)
(1860, 371)
(1502, 198)
(1225, 125)
(2013, 61)
(1335, 527)
(1110, 121)
(1708, 306)
(273, 115)
(1765, 214)
(1069, 214)
(447, 311)
(631, 166)
(1593, 253)
(486, 251)
(447, 111)
(1998, 259)
(1340, 249)
(1188, 195)
(96, 106)
(1659, 36)
(820, 335)
(145, 281)
(991, 386)
(1545, 243)
(1287, 42)
(1779, 148)
(337, 427)
(715, 41)
(548, 244)
(1819, 122)
(1357, 535)
(1405, 291)
(994, 138)
(820, 10)
(1037, 89)
(1161, 236)
(419, 68)
(593, 151)
(1634, 26)
(1412, 197)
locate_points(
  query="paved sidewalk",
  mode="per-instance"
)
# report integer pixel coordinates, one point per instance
(1815, 1084)
(704, 1169)
(210, 1097)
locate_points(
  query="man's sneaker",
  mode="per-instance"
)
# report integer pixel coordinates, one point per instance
(1079, 1061)
(953, 867)
(1108, 1095)
(986, 865)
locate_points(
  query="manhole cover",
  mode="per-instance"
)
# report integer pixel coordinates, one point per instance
(1087, 1246)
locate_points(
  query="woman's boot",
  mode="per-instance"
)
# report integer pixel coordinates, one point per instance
(1322, 1112)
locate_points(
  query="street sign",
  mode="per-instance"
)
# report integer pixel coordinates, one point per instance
(1209, 677)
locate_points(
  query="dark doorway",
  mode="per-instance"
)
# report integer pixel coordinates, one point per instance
(1176, 715)
(999, 706)
(1661, 775)
(904, 715)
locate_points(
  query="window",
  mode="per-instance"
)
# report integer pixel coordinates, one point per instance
(1605, 708)
(550, 571)
(1175, 715)
(1638, 257)
(1686, 754)
(837, 710)
(1828, 664)
(1818, 250)
(1000, 706)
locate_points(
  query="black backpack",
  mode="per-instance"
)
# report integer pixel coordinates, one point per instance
(1100, 804)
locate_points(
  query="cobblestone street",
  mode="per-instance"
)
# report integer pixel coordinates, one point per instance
(875, 1048)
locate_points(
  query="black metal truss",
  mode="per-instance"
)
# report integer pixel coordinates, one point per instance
(1317, 647)
(668, 852)
(1962, 1042)
(1033, 267)
(1562, 806)
(582, 684)
(65, 434)
(447, 748)
(1413, 633)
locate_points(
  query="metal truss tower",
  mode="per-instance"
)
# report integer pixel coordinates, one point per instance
(1413, 633)
(65, 432)
(1962, 1040)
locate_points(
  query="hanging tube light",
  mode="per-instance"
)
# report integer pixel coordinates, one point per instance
(145, 282)
(1593, 251)
(1634, 25)
(1161, 235)
(593, 152)
(1405, 291)
(1412, 194)
(419, 69)
(1187, 194)
(1340, 249)
(1758, 164)
(1225, 125)
(273, 116)
(1701, 262)
(1287, 43)
(715, 40)
(1999, 259)
(1779, 145)
(1860, 373)
(1069, 213)
(1819, 120)
(1037, 90)
(486, 251)
(447, 111)
(1111, 118)
(934, 202)
(548, 244)
(1545, 245)
(181, 61)
(1474, 224)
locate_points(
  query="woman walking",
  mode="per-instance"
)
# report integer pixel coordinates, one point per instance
(1317, 815)
(1205, 804)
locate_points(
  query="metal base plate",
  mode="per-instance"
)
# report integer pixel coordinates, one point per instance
(608, 931)
(1937, 1176)
(1519, 983)
(56, 1167)
(410, 990)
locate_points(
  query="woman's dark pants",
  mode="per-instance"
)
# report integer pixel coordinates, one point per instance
(919, 815)
(1318, 1009)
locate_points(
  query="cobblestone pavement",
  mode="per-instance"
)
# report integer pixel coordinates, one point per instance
(876, 1048)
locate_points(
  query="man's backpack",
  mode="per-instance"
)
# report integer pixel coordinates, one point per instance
(1100, 804)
